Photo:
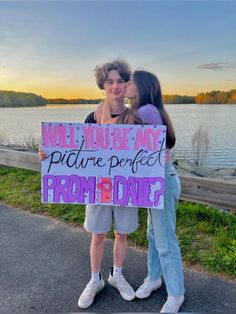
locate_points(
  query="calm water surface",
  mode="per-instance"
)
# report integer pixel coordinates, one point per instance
(220, 121)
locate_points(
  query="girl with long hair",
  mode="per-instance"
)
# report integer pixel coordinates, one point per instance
(163, 258)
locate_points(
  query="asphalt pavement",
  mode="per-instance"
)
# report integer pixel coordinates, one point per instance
(44, 267)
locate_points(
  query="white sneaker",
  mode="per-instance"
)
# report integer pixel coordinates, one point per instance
(172, 304)
(88, 295)
(147, 287)
(125, 289)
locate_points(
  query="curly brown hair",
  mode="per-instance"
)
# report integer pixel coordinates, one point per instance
(101, 71)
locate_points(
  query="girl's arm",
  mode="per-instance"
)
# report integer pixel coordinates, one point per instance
(98, 112)
(106, 114)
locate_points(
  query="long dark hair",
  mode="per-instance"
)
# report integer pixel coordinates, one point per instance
(149, 92)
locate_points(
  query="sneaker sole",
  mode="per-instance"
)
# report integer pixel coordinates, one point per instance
(90, 303)
(123, 296)
(148, 295)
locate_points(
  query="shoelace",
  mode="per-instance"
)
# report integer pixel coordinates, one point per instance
(121, 281)
(143, 286)
(91, 288)
(144, 283)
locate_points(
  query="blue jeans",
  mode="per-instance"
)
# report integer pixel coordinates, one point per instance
(163, 249)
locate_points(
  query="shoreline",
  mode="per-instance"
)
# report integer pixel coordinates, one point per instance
(87, 103)
(184, 167)
(187, 167)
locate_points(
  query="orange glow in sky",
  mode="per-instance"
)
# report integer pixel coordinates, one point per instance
(52, 50)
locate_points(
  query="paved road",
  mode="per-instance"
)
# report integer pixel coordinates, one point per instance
(44, 266)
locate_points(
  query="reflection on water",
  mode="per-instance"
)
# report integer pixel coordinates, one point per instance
(219, 120)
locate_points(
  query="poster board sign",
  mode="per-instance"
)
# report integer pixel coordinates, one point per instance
(103, 164)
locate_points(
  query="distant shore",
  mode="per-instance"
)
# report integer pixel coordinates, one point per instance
(24, 99)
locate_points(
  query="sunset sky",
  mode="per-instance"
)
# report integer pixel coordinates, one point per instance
(51, 47)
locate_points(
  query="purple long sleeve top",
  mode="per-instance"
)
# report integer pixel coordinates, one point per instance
(151, 115)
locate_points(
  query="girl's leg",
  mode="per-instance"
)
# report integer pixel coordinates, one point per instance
(164, 223)
(153, 261)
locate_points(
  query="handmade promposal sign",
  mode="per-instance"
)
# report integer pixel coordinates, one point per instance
(103, 164)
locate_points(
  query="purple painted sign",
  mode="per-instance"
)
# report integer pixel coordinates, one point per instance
(103, 164)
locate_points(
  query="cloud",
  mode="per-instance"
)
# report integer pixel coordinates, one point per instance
(216, 66)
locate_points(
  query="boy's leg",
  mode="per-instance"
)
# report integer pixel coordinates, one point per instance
(96, 251)
(125, 221)
(98, 220)
(119, 250)
(96, 283)
(116, 278)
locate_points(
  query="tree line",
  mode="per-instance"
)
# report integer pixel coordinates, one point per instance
(217, 97)
(213, 97)
(20, 99)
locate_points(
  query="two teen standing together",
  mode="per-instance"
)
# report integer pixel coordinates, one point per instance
(163, 258)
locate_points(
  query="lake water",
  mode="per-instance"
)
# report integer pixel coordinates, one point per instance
(219, 120)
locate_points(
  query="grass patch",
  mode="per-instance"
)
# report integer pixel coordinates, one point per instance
(206, 235)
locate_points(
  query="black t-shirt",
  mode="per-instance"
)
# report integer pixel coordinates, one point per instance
(90, 118)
